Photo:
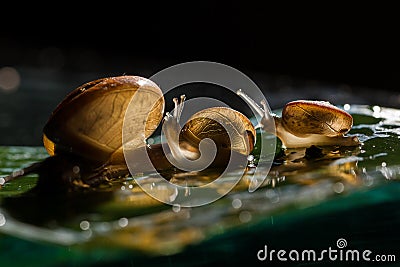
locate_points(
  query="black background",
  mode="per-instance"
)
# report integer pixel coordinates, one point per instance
(338, 53)
(341, 44)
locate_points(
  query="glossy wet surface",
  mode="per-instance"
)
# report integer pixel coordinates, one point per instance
(310, 199)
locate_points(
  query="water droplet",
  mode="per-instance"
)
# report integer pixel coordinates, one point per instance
(383, 164)
(236, 203)
(376, 109)
(338, 187)
(84, 225)
(346, 107)
(76, 169)
(123, 222)
(176, 208)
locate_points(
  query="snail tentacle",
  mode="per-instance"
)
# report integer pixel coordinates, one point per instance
(251, 102)
(267, 118)
(179, 104)
(171, 127)
(183, 155)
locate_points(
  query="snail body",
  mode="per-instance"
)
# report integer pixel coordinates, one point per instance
(83, 135)
(305, 122)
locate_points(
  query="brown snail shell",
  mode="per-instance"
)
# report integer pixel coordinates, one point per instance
(305, 123)
(229, 130)
(83, 135)
(207, 124)
(89, 121)
(303, 117)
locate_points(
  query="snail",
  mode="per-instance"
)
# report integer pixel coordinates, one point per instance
(83, 135)
(306, 122)
(213, 123)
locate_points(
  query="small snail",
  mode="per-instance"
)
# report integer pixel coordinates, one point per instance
(214, 123)
(83, 135)
(304, 123)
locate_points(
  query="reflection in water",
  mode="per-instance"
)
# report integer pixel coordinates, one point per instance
(126, 217)
(308, 165)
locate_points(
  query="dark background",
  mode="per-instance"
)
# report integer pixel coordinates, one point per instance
(357, 46)
(336, 53)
